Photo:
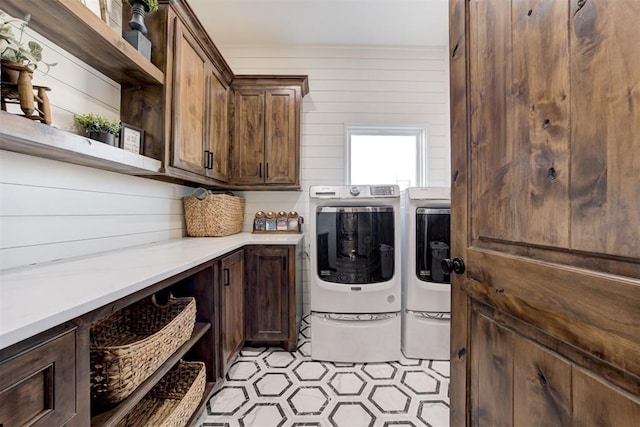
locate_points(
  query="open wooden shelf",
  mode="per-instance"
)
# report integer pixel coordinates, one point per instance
(75, 28)
(113, 416)
(33, 138)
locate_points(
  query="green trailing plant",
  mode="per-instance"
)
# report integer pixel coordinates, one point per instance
(150, 6)
(97, 123)
(12, 48)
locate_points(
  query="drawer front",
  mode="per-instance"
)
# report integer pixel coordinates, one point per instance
(38, 386)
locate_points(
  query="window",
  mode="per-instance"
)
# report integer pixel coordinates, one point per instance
(386, 155)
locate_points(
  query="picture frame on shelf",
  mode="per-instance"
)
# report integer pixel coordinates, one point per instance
(131, 139)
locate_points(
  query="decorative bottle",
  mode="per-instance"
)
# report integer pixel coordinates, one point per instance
(270, 221)
(260, 222)
(281, 221)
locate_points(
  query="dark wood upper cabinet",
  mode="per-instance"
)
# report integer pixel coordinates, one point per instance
(200, 138)
(217, 139)
(271, 309)
(266, 131)
(282, 145)
(248, 144)
(188, 103)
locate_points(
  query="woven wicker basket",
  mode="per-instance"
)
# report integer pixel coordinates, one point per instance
(173, 400)
(132, 343)
(213, 215)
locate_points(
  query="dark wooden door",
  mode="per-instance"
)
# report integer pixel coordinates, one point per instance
(217, 127)
(232, 280)
(281, 148)
(545, 110)
(270, 309)
(248, 139)
(190, 65)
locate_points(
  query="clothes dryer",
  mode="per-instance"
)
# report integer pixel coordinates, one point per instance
(426, 289)
(355, 273)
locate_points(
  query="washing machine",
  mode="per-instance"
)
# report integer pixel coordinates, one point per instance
(426, 288)
(355, 273)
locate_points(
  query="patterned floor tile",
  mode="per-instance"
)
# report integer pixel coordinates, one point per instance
(389, 399)
(347, 384)
(269, 387)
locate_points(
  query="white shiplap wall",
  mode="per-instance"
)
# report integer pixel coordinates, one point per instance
(51, 210)
(352, 86)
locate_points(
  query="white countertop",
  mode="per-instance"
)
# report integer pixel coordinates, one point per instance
(36, 298)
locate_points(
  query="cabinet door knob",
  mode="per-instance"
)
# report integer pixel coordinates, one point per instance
(227, 282)
(260, 171)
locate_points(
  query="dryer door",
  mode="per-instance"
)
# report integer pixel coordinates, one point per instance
(433, 236)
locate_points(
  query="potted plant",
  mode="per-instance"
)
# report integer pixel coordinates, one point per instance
(14, 54)
(99, 127)
(18, 61)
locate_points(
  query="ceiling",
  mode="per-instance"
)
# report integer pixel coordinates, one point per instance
(412, 23)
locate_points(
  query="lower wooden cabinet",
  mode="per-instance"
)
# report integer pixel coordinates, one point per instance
(271, 309)
(38, 384)
(232, 311)
(252, 294)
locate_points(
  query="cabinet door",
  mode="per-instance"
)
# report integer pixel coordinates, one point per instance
(270, 295)
(281, 142)
(232, 271)
(38, 386)
(248, 140)
(217, 128)
(189, 89)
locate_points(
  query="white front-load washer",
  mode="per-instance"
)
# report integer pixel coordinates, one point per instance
(426, 289)
(355, 273)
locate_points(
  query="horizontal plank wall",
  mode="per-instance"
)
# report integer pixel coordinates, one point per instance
(352, 86)
(51, 210)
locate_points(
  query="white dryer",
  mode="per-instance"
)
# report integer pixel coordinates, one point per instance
(426, 289)
(355, 273)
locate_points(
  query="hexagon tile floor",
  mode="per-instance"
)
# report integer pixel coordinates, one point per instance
(269, 387)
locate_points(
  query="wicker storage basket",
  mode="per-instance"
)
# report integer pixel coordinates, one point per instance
(213, 215)
(172, 401)
(132, 343)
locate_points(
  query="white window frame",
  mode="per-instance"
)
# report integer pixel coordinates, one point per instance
(419, 132)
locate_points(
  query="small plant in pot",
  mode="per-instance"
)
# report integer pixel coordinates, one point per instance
(17, 61)
(14, 54)
(99, 127)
